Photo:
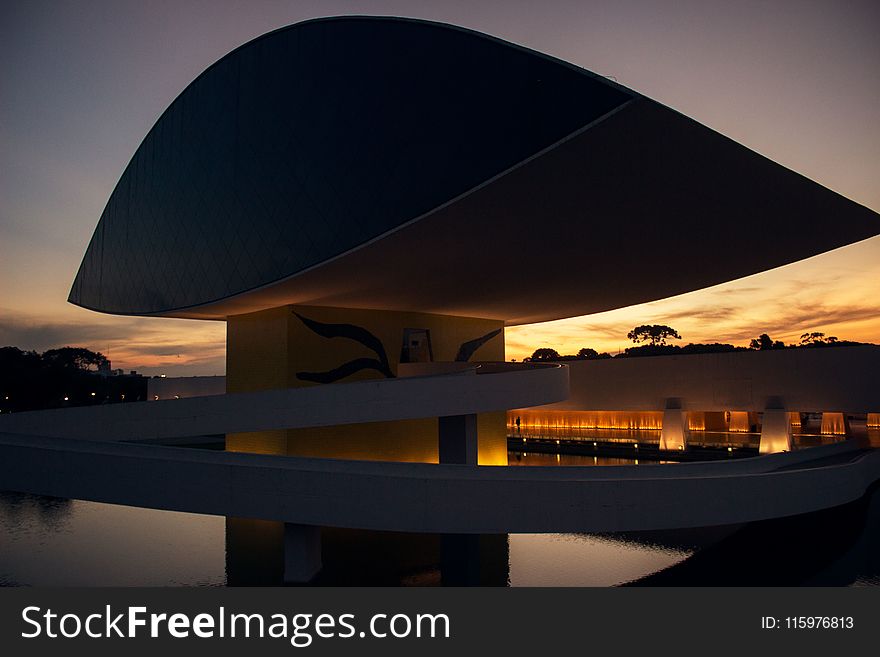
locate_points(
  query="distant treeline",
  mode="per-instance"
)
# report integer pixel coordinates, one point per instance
(657, 335)
(62, 377)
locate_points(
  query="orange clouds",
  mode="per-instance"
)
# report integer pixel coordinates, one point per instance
(836, 292)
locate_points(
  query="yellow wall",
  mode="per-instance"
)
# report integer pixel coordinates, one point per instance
(267, 349)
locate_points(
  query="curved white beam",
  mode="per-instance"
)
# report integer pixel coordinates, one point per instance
(423, 497)
(499, 386)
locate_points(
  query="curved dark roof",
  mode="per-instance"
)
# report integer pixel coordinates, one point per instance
(312, 140)
(408, 165)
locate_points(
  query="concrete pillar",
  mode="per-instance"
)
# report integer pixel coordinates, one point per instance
(672, 433)
(775, 431)
(475, 559)
(460, 559)
(254, 552)
(302, 553)
(458, 439)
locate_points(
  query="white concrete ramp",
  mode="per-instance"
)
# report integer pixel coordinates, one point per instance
(424, 497)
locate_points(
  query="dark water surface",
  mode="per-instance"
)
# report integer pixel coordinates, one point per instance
(55, 542)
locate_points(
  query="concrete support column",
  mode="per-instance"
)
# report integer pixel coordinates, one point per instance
(302, 553)
(475, 559)
(775, 431)
(460, 559)
(672, 432)
(458, 439)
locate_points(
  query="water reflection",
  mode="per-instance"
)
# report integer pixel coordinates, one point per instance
(585, 560)
(834, 547)
(806, 436)
(47, 541)
(532, 458)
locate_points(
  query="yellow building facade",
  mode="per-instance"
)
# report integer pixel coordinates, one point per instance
(299, 346)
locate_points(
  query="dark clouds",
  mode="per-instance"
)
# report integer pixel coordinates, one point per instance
(144, 343)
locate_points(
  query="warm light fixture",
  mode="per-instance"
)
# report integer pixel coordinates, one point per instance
(93, 394)
(66, 399)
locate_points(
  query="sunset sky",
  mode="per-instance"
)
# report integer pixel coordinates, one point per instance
(83, 82)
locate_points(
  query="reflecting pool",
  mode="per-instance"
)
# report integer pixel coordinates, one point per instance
(54, 542)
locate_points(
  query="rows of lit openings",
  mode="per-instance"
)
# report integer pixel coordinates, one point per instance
(731, 421)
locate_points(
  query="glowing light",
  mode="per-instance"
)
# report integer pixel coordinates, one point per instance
(696, 421)
(66, 399)
(775, 432)
(739, 422)
(532, 420)
(833, 424)
(93, 394)
(873, 420)
(730, 449)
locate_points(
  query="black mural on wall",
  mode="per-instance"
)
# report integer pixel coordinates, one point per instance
(352, 332)
(467, 349)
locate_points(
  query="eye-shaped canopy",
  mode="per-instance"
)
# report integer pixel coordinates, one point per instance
(408, 165)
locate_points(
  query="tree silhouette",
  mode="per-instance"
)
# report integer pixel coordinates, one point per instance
(586, 352)
(764, 342)
(545, 354)
(656, 334)
(816, 338)
(76, 358)
(811, 338)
